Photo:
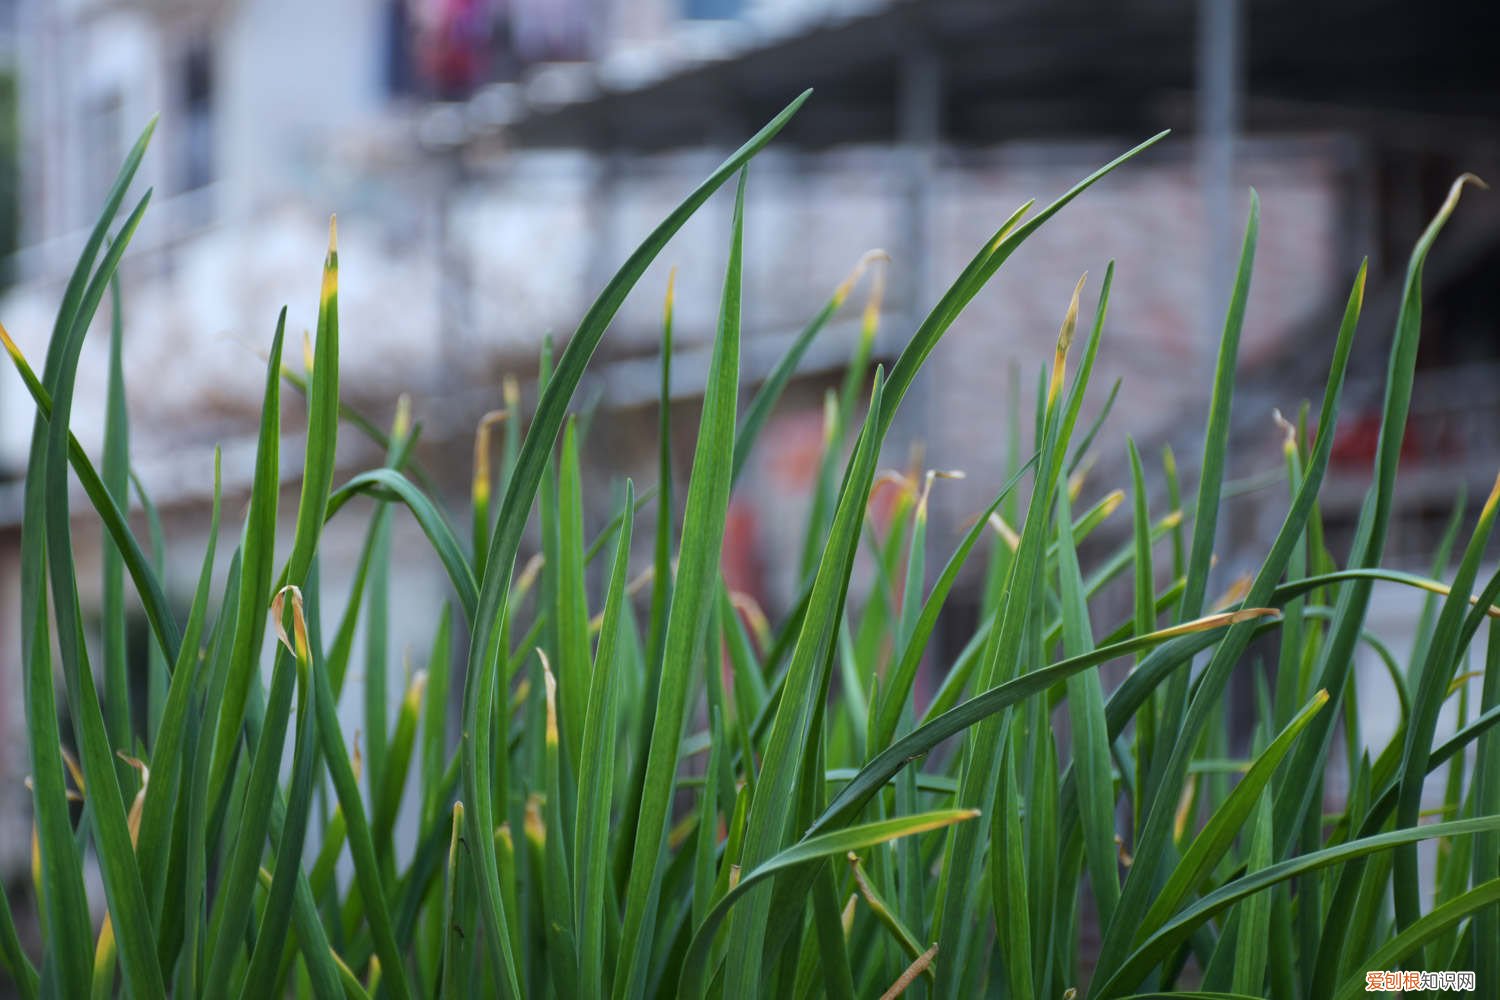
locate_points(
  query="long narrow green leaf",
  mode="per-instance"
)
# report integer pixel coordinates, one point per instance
(271, 939)
(809, 848)
(147, 582)
(116, 469)
(232, 688)
(1152, 844)
(428, 517)
(596, 774)
(808, 678)
(1090, 733)
(1011, 234)
(875, 773)
(1332, 672)
(901, 677)
(959, 880)
(1216, 836)
(122, 885)
(515, 508)
(167, 761)
(1170, 936)
(573, 665)
(1436, 675)
(698, 562)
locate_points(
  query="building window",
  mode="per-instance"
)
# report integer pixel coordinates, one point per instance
(712, 10)
(195, 157)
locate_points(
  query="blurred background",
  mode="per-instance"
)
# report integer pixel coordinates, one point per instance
(493, 161)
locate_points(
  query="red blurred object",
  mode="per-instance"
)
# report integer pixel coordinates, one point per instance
(740, 560)
(1428, 437)
(454, 44)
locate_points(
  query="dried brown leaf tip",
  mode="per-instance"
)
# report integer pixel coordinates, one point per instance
(1288, 432)
(1494, 497)
(1218, 621)
(551, 681)
(299, 649)
(1236, 593)
(9, 344)
(1079, 476)
(926, 491)
(863, 264)
(1011, 226)
(482, 452)
(331, 265)
(908, 977)
(1065, 341)
(671, 299)
(401, 423)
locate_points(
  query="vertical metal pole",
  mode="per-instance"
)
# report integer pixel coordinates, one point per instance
(1219, 99)
(1220, 82)
(919, 127)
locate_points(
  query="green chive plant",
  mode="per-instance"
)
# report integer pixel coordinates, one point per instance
(661, 795)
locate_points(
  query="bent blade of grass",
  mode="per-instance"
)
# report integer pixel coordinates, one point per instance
(1442, 661)
(687, 622)
(1218, 834)
(1431, 925)
(810, 848)
(64, 907)
(888, 917)
(123, 891)
(1170, 936)
(1334, 665)
(428, 516)
(1155, 838)
(1011, 234)
(515, 508)
(147, 582)
(879, 769)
